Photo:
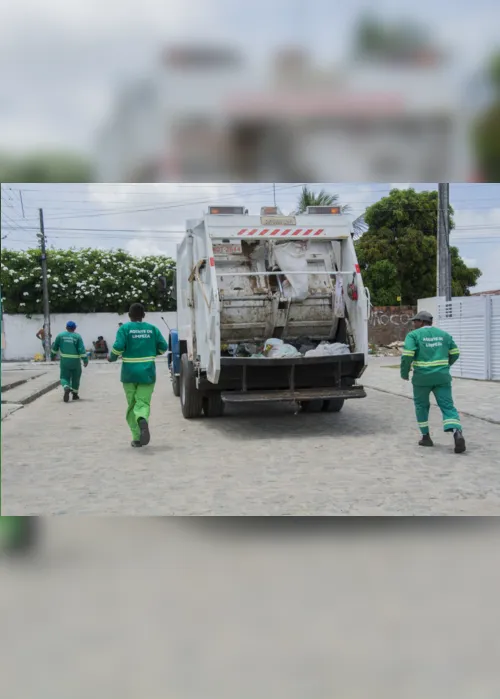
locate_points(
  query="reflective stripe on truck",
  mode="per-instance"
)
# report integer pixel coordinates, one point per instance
(279, 232)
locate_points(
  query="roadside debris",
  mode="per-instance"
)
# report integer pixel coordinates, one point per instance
(394, 349)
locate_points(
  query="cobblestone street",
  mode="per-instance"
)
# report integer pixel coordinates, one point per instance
(75, 459)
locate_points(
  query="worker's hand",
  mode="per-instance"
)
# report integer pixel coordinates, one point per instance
(405, 378)
(85, 364)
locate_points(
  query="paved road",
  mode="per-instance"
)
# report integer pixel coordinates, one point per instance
(173, 608)
(75, 459)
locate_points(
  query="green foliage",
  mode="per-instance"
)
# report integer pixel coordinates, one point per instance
(486, 129)
(376, 38)
(397, 254)
(322, 198)
(85, 281)
(45, 167)
(487, 143)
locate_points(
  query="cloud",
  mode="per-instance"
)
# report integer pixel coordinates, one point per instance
(67, 59)
(477, 236)
(399, 185)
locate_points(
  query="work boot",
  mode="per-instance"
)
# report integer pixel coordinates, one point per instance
(67, 391)
(459, 442)
(426, 441)
(145, 435)
(135, 443)
(76, 396)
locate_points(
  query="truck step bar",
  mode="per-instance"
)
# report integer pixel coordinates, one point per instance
(298, 395)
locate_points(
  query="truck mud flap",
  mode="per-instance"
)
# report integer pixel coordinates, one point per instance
(298, 395)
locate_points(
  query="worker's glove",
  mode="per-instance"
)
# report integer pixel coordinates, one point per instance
(85, 364)
(405, 378)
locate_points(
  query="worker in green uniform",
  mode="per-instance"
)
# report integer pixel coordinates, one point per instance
(431, 352)
(138, 344)
(72, 352)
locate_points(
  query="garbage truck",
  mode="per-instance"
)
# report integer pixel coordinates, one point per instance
(269, 308)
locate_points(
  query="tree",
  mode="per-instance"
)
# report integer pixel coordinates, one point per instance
(85, 281)
(45, 167)
(379, 40)
(309, 198)
(486, 132)
(322, 198)
(397, 254)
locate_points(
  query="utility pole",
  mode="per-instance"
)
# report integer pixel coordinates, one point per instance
(443, 242)
(274, 192)
(47, 340)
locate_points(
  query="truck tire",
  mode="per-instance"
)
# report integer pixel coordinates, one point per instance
(333, 405)
(176, 386)
(213, 405)
(191, 398)
(312, 406)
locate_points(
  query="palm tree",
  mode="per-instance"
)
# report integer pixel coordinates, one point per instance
(322, 198)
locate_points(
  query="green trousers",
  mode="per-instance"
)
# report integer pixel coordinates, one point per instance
(70, 374)
(138, 404)
(444, 399)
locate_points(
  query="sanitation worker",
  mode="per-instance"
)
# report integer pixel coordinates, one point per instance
(72, 352)
(138, 344)
(431, 352)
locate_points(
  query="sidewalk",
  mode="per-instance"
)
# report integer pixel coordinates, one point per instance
(22, 383)
(479, 399)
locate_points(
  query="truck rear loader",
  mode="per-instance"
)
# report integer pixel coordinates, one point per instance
(242, 279)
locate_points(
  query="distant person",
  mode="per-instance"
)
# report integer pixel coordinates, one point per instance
(100, 347)
(41, 336)
(72, 353)
(138, 344)
(432, 352)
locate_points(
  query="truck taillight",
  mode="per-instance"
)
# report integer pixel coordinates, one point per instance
(234, 210)
(269, 211)
(323, 210)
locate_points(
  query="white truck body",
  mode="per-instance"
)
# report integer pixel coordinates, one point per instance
(244, 278)
(225, 294)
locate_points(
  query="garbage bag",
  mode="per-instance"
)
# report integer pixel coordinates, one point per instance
(291, 257)
(328, 350)
(277, 349)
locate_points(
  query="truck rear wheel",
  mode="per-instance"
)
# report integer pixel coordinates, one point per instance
(312, 406)
(191, 398)
(213, 405)
(333, 405)
(176, 385)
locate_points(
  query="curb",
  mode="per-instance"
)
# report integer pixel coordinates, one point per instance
(462, 412)
(40, 392)
(14, 384)
(37, 394)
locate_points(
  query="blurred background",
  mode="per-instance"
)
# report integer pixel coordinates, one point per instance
(225, 91)
(288, 609)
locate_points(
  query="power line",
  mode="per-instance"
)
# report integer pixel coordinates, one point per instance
(165, 207)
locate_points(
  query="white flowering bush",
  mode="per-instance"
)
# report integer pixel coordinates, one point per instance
(85, 281)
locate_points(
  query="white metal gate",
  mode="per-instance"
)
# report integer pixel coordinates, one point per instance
(495, 338)
(468, 320)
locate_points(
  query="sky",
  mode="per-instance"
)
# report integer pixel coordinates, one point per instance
(64, 61)
(149, 218)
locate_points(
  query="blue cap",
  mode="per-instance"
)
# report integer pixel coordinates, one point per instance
(71, 325)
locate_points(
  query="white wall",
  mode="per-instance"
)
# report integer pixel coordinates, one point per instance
(431, 305)
(20, 332)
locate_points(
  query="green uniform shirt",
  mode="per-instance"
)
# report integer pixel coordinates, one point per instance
(431, 351)
(138, 344)
(70, 347)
